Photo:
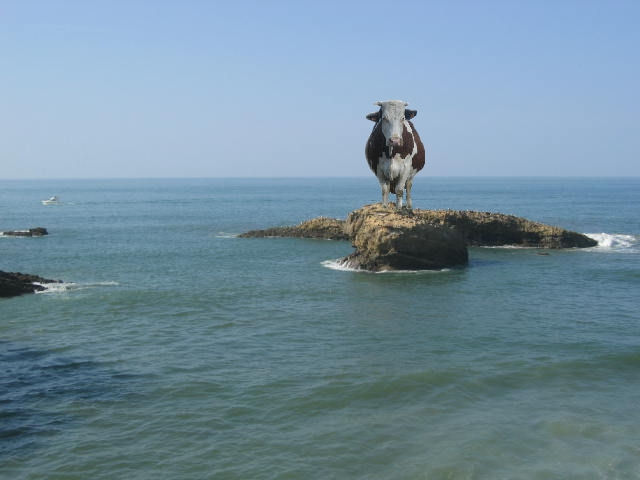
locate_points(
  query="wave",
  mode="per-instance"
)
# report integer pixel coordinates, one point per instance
(508, 247)
(226, 235)
(615, 242)
(2, 234)
(338, 264)
(606, 242)
(65, 287)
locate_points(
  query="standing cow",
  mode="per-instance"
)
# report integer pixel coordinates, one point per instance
(394, 150)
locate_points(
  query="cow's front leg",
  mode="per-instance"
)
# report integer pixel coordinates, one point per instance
(399, 200)
(385, 194)
(409, 185)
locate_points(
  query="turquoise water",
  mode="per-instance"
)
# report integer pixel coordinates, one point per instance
(177, 351)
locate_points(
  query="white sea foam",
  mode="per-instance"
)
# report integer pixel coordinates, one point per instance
(3, 235)
(615, 242)
(509, 247)
(71, 286)
(338, 264)
(226, 235)
(606, 241)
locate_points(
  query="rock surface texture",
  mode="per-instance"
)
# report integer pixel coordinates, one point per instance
(389, 239)
(321, 227)
(16, 283)
(485, 229)
(32, 232)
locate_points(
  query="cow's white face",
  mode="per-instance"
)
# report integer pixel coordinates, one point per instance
(392, 116)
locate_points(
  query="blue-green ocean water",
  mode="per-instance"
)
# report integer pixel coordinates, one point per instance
(177, 351)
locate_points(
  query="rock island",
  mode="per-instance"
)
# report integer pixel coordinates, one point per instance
(386, 238)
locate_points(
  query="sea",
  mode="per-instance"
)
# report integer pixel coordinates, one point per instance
(175, 350)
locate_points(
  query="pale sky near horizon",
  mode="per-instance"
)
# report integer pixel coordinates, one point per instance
(244, 89)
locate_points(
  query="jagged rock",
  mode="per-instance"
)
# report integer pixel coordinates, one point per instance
(321, 227)
(32, 232)
(16, 283)
(390, 239)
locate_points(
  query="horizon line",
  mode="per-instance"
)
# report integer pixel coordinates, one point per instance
(328, 177)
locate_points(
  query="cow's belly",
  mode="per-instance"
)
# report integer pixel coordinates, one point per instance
(395, 171)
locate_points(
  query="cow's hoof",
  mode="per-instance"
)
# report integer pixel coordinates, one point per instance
(406, 210)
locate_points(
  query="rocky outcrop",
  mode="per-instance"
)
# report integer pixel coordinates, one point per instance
(485, 229)
(32, 232)
(482, 229)
(321, 227)
(389, 239)
(16, 283)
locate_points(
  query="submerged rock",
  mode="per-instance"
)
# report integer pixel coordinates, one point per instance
(16, 283)
(32, 232)
(321, 227)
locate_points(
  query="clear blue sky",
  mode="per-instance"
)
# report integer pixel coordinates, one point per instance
(234, 88)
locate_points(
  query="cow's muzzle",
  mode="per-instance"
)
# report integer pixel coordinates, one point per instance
(394, 142)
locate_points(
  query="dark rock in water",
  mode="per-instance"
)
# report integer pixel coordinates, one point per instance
(388, 239)
(38, 231)
(16, 283)
(321, 227)
(32, 232)
(484, 229)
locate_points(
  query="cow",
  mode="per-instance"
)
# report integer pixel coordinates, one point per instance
(394, 150)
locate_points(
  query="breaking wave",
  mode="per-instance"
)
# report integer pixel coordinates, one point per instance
(52, 288)
(616, 242)
(337, 264)
(3, 235)
(507, 247)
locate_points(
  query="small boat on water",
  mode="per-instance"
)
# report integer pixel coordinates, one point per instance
(51, 201)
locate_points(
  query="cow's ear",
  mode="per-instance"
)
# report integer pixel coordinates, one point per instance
(374, 117)
(409, 114)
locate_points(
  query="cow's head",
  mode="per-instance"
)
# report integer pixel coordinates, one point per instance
(392, 115)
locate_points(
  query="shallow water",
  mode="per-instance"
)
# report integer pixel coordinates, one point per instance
(175, 350)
